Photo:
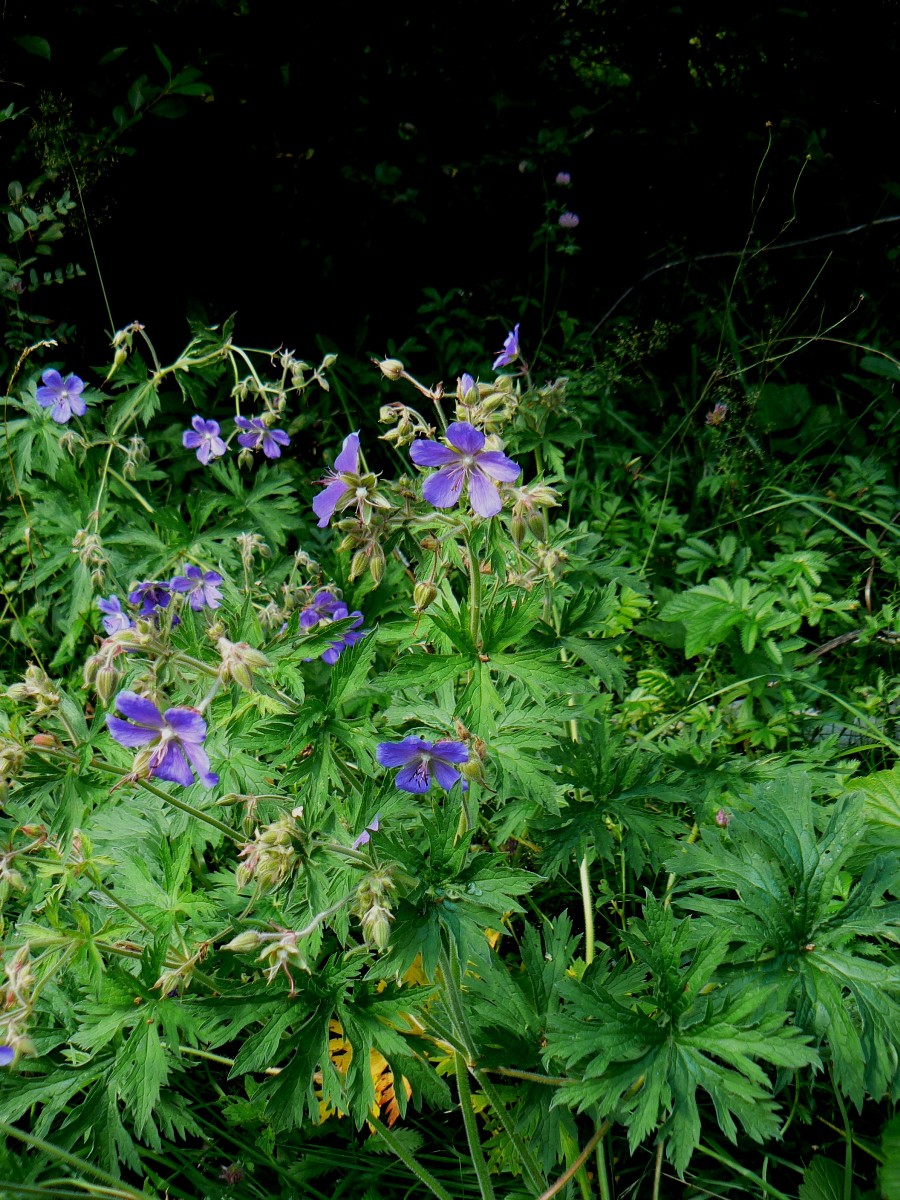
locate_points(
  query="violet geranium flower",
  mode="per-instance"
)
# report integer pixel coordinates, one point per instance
(258, 434)
(419, 759)
(365, 837)
(346, 463)
(63, 395)
(115, 620)
(202, 587)
(175, 737)
(510, 351)
(322, 607)
(7, 1054)
(569, 220)
(151, 595)
(353, 635)
(205, 439)
(464, 460)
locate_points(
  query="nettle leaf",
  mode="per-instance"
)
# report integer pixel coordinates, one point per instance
(646, 1052)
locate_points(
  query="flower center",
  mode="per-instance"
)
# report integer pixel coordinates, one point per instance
(467, 460)
(361, 493)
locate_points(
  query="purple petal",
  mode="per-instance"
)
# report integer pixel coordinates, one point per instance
(414, 778)
(425, 453)
(7, 1054)
(443, 487)
(79, 406)
(465, 437)
(445, 776)
(189, 725)
(112, 606)
(52, 379)
(466, 384)
(250, 440)
(204, 453)
(483, 495)
(46, 396)
(453, 752)
(199, 760)
(348, 459)
(130, 735)
(498, 466)
(332, 654)
(191, 440)
(243, 423)
(398, 754)
(173, 766)
(138, 708)
(326, 501)
(73, 385)
(61, 412)
(218, 447)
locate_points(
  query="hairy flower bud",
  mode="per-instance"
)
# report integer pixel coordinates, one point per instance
(517, 528)
(391, 368)
(36, 687)
(245, 942)
(107, 681)
(423, 594)
(239, 660)
(376, 925)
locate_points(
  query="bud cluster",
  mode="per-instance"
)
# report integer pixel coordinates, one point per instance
(529, 511)
(408, 424)
(373, 907)
(89, 549)
(37, 688)
(250, 544)
(272, 855)
(487, 406)
(17, 1006)
(239, 661)
(136, 452)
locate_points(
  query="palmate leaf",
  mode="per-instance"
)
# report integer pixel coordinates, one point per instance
(791, 927)
(645, 1052)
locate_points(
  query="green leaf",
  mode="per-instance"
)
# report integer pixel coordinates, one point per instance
(823, 1180)
(37, 46)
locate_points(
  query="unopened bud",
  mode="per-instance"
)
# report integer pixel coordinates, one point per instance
(537, 523)
(107, 681)
(392, 368)
(517, 528)
(244, 943)
(376, 926)
(423, 594)
(472, 770)
(376, 564)
(358, 564)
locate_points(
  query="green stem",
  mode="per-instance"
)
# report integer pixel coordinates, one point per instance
(101, 887)
(133, 490)
(396, 1148)
(529, 1163)
(71, 1160)
(474, 595)
(728, 1161)
(531, 1076)
(848, 1140)
(588, 906)
(603, 1171)
(576, 1166)
(471, 1126)
(450, 969)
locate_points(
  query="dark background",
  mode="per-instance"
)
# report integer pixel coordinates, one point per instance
(348, 162)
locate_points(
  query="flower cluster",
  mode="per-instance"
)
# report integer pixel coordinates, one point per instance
(324, 608)
(206, 438)
(202, 589)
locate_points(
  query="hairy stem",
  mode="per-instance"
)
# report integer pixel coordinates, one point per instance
(471, 1126)
(396, 1147)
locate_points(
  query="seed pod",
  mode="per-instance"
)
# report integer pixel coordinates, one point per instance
(244, 943)
(392, 368)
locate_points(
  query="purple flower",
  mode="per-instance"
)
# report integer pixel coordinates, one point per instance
(7, 1054)
(510, 351)
(464, 385)
(151, 595)
(322, 607)
(346, 463)
(204, 438)
(63, 395)
(464, 461)
(259, 434)
(115, 620)
(563, 179)
(569, 220)
(353, 635)
(364, 838)
(419, 758)
(176, 737)
(718, 414)
(202, 588)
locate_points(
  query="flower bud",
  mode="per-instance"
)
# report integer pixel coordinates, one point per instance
(376, 926)
(537, 523)
(423, 594)
(376, 564)
(391, 368)
(472, 770)
(245, 942)
(107, 681)
(239, 660)
(517, 528)
(358, 564)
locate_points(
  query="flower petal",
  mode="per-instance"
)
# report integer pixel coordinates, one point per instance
(414, 778)
(465, 437)
(454, 752)
(173, 766)
(398, 754)
(188, 724)
(138, 708)
(73, 385)
(130, 735)
(444, 775)
(199, 760)
(52, 379)
(498, 466)
(191, 440)
(347, 461)
(443, 487)
(426, 453)
(483, 495)
(326, 501)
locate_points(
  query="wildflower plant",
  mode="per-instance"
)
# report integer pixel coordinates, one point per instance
(342, 784)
